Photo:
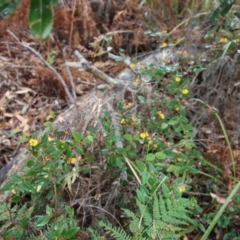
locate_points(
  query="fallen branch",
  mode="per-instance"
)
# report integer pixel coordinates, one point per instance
(84, 65)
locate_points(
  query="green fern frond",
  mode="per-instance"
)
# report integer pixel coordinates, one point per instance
(93, 235)
(5, 226)
(134, 225)
(118, 233)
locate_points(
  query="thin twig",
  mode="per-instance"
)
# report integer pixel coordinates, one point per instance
(70, 76)
(47, 64)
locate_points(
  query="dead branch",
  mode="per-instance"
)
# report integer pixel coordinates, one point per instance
(61, 80)
(84, 65)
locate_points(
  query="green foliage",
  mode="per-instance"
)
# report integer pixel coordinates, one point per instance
(7, 7)
(49, 170)
(165, 215)
(223, 9)
(40, 16)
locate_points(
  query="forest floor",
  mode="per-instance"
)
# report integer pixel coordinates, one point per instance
(29, 90)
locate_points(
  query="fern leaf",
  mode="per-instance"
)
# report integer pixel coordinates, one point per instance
(118, 233)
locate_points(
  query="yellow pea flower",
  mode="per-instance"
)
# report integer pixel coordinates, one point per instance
(177, 79)
(185, 91)
(161, 115)
(33, 142)
(182, 188)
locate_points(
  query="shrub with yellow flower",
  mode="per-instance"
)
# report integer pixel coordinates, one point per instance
(223, 40)
(144, 135)
(177, 79)
(123, 120)
(33, 142)
(72, 161)
(185, 91)
(182, 188)
(161, 115)
(13, 191)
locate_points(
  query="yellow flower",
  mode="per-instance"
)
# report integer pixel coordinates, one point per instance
(132, 65)
(137, 80)
(223, 40)
(161, 115)
(72, 161)
(179, 159)
(144, 135)
(164, 44)
(123, 121)
(33, 142)
(134, 118)
(185, 91)
(182, 188)
(177, 79)
(128, 105)
(14, 191)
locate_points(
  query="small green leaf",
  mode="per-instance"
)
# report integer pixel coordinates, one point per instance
(140, 196)
(161, 155)
(47, 124)
(150, 157)
(49, 211)
(16, 199)
(89, 139)
(141, 165)
(30, 163)
(80, 150)
(175, 169)
(52, 115)
(128, 137)
(77, 136)
(36, 134)
(42, 221)
(164, 126)
(145, 177)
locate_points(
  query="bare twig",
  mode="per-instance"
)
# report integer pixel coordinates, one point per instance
(84, 65)
(70, 77)
(47, 64)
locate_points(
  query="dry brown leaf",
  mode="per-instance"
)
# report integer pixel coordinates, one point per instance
(219, 199)
(3, 100)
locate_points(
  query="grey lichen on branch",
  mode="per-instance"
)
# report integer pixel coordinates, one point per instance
(84, 65)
